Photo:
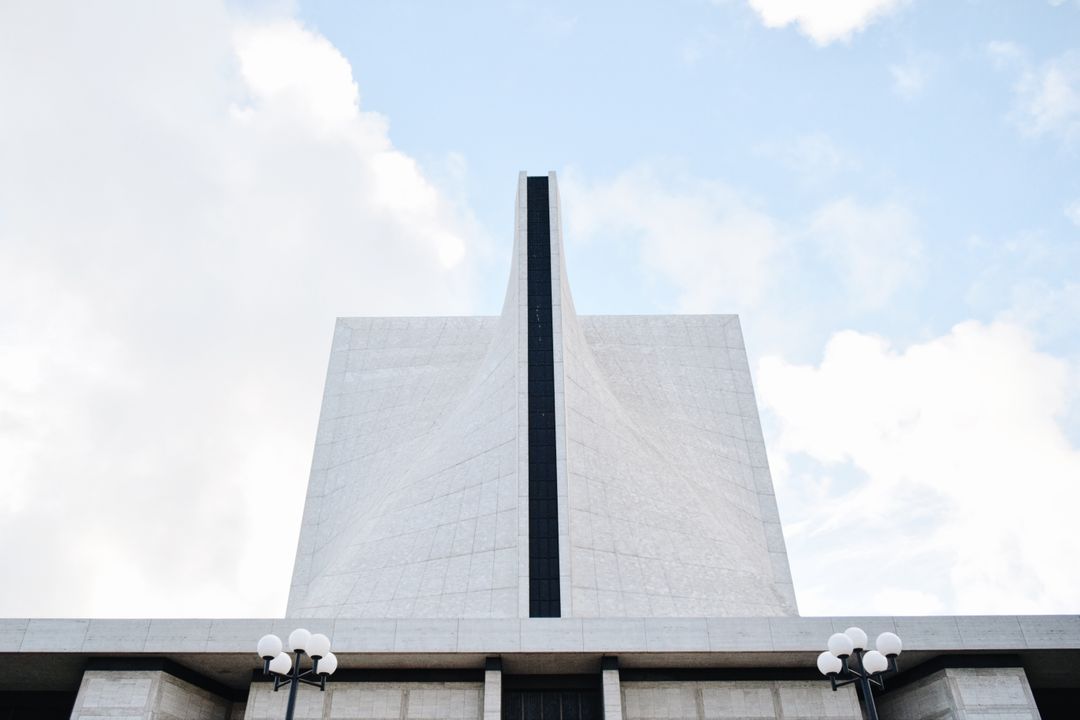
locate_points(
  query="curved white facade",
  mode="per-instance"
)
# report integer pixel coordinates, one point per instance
(419, 494)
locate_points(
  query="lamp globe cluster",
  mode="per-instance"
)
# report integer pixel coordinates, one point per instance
(848, 661)
(854, 640)
(285, 664)
(316, 646)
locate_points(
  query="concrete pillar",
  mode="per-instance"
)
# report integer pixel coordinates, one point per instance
(145, 695)
(612, 690)
(962, 694)
(493, 689)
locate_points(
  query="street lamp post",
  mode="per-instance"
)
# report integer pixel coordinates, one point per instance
(847, 661)
(286, 670)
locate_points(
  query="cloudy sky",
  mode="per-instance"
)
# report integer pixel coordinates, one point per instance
(886, 191)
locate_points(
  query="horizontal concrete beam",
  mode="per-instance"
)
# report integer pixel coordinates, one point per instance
(539, 635)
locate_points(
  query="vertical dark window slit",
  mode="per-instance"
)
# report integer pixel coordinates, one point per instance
(543, 494)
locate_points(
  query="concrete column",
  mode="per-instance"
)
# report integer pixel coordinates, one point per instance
(145, 695)
(612, 690)
(493, 689)
(963, 694)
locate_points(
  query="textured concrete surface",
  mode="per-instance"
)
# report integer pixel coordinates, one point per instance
(145, 695)
(737, 700)
(412, 503)
(475, 637)
(371, 701)
(492, 709)
(52, 654)
(963, 694)
(611, 689)
(417, 500)
(672, 509)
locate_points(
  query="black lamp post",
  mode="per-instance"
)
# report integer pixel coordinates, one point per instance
(286, 670)
(847, 661)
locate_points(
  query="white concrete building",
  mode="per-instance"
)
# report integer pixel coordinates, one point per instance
(539, 516)
(419, 501)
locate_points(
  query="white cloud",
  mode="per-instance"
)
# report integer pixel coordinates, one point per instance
(816, 157)
(721, 251)
(183, 211)
(298, 71)
(906, 601)
(1046, 96)
(1004, 52)
(824, 22)
(940, 469)
(698, 47)
(877, 247)
(1049, 98)
(1048, 309)
(712, 243)
(909, 78)
(1072, 211)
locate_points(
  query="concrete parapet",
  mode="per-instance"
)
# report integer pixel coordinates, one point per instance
(963, 694)
(145, 695)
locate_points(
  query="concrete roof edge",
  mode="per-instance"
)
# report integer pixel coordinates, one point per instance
(961, 633)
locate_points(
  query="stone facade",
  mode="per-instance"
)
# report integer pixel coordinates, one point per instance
(964, 694)
(415, 557)
(418, 506)
(735, 700)
(372, 701)
(145, 695)
(951, 693)
(412, 504)
(672, 511)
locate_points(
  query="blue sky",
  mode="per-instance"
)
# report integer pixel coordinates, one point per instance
(884, 190)
(705, 87)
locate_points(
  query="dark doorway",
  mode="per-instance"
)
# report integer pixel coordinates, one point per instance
(551, 705)
(1057, 704)
(36, 705)
(551, 698)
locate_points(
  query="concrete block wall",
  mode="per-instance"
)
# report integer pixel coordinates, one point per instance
(963, 694)
(371, 701)
(145, 695)
(738, 700)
